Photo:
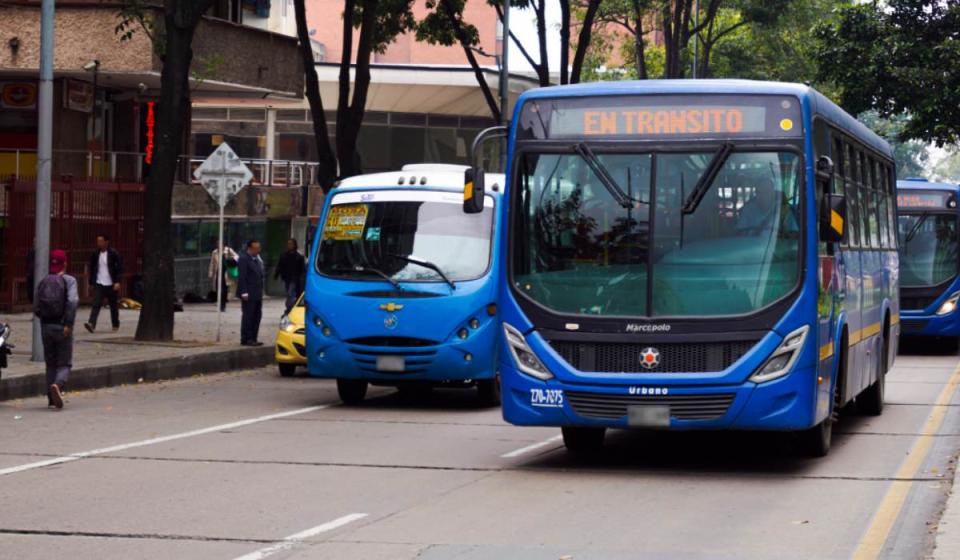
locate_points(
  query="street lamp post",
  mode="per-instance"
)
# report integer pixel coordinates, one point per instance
(41, 231)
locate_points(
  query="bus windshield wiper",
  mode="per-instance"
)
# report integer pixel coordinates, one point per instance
(916, 227)
(601, 172)
(709, 174)
(361, 268)
(425, 264)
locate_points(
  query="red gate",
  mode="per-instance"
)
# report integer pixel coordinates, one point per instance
(79, 211)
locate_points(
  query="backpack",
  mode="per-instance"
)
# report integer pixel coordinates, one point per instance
(52, 298)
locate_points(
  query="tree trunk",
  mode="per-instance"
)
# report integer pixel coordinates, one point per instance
(583, 41)
(343, 98)
(327, 170)
(565, 41)
(543, 69)
(180, 22)
(639, 48)
(350, 115)
(464, 41)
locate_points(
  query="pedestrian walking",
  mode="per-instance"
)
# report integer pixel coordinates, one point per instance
(55, 303)
(291, 269)
(229, 271)
(106, 270)
(250, 281)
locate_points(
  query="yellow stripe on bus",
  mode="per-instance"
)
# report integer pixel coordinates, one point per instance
(826, 351)
(895, 318)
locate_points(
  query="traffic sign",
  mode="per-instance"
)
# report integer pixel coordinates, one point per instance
(223, 174)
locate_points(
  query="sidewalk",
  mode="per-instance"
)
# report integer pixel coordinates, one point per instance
(948, 532)
(108, 358)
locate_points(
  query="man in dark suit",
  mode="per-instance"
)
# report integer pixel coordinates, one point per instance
(106, 272)
(250, 282)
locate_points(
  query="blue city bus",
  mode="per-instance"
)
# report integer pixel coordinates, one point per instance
(929, 259)
(401, 286)
(697, 254)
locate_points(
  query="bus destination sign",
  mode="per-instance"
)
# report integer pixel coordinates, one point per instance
(660, 116)
(929, 200)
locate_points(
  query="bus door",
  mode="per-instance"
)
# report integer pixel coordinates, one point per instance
(853, 277)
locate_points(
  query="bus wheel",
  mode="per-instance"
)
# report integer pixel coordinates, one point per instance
(871, 400)
(816, 441)
(287, 370)
(583, 441)
(351, 391)
(488, 391)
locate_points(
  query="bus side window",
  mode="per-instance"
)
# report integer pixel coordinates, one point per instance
(853, 199)
(888, 184)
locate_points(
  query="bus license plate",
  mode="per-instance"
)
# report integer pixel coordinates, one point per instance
(649, 416)
(390, 363)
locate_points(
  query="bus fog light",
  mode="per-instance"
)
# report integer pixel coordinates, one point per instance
(474, 323)
(950, 305)
(523, 355)
(462, 333)
(326, 331)
(782, 359)
(317, 322)
(468, 357)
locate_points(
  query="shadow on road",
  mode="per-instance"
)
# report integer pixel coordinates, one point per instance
(928, 346)
(700, 452)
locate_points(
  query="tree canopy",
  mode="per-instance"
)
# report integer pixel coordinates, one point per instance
(899, 57)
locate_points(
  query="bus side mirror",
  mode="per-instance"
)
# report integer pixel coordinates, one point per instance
(473, 191)
(833, 218)
(825, 167)
(473, 184)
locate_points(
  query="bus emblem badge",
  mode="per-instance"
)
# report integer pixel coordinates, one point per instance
(650, 358)
(391, 307)
(390, 321)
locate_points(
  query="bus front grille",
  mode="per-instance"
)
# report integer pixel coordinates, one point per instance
(917, 303)
(416, 353)
(682, 407)
(913, 325)
(675, 357)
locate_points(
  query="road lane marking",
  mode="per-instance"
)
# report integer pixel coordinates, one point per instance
(152, 441)
(873, 541)
(533, 447)
(295, 539)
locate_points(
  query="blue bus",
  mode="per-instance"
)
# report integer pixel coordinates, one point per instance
(929, 259)
(400, 290)
(704, 254)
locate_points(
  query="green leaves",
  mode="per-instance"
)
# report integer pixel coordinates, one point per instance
(898, 59)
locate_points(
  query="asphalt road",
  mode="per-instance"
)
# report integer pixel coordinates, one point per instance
(251, 465)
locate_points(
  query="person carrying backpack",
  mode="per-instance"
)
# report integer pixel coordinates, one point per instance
(55, 303)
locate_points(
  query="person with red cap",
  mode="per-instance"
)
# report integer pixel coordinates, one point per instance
(55, 303)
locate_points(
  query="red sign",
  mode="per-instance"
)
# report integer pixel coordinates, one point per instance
(18, 95)
(151, 123)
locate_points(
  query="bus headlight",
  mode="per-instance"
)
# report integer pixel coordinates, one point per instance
(523, 356)
(950, 305)
(782, 359)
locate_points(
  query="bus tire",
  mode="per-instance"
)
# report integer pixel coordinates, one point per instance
(287, 370)
(583, 441)
(351, 391)
(816, 441)
(870, 402)
(488, 392)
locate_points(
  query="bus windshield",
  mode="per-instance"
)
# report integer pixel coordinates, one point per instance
(670, 244)
(404, 236)
(928, 248)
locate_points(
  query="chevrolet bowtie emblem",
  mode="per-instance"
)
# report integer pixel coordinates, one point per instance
(391, 307)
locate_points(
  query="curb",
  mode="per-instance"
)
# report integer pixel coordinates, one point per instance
(97, 377)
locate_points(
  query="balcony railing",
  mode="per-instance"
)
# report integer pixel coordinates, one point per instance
(129, 167)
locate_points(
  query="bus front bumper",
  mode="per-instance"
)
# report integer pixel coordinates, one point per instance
(788, 403)
(920, 324)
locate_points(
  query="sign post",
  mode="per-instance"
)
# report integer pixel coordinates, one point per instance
(222, 175)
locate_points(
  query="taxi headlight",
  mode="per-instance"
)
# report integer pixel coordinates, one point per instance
(523, 355)
(782, 359)
(950, 305)
(287, 325)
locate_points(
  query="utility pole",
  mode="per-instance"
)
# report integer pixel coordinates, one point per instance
(41, 243)
(504, 66)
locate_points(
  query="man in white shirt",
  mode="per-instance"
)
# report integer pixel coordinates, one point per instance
(105, 272)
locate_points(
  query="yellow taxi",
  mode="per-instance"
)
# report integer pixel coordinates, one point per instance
(291, 350)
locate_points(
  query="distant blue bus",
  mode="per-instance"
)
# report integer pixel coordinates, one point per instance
(929, 258)
(696, 254)
(401, 287)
